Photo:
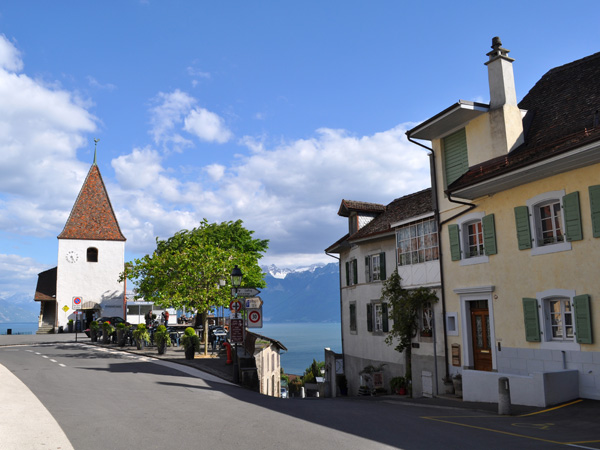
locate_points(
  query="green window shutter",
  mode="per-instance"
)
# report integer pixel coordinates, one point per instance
(369, 317)
(572, 217)
(595, 208)
(583, 319)
(456, 160)
(532, 322)
(384, 314)
(454, 235)
(489, 234)
(347, 273)
(523, 229)
(355, 270)
(367, 269)
(382, 274)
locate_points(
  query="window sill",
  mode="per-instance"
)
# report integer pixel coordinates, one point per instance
(553, 248)
(560, 345)
(475, 260)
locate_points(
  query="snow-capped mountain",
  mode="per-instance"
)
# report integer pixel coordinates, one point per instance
(281, 273)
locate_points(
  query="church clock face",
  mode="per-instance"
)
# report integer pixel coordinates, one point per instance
(72, 257)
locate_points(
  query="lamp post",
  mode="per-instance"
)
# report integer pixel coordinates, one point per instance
(236, 281)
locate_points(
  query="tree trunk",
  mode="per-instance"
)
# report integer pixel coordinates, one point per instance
(205, 333)
(408, 375)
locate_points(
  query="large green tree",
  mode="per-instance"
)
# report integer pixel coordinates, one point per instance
(192, 268)
(405, 307)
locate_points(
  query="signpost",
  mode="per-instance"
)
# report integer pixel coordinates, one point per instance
(244, 292)
(76, 303)
(235, 306)
(254, 303)
(255, 318)
(237, 330)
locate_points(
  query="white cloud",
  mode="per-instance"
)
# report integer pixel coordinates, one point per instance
(207, 126)
(10, 57)
(16, 272)
(215, 171)
(96, 84)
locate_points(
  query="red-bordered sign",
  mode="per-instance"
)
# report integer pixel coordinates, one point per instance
(76, 302)
(254, 316)
(235, 305)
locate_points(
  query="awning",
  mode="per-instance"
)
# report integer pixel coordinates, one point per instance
(90, 305)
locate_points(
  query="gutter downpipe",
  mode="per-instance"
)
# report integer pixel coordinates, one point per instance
(436, 213)
(341, 309)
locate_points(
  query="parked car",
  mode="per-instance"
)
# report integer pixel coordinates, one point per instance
(284, 393)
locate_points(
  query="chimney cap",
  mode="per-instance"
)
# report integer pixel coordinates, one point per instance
(498, 51)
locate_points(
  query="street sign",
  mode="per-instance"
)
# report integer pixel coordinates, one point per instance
(235, 305)
(76, 302)
(254, 302)
(65, 308)
(255, 318)
(237, 330)
(235, 315)
(245, 292)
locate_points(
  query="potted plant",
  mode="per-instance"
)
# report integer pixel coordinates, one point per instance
(121, 334)
(457, 382)
(94, 327)
(162, 339)
(70, 325)
(426, 332)
(398, 385)
(190, 342)
(342, 382)
(107, 331)
(141, 336)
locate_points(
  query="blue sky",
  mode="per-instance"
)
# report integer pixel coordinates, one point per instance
(271, 112)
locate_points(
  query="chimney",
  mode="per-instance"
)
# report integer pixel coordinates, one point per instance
(505, 117)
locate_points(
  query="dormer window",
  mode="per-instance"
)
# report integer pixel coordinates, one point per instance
(92, 254)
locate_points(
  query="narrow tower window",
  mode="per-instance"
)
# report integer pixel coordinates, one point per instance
(92, 254)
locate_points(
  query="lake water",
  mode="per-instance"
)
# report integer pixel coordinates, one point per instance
(304, 341)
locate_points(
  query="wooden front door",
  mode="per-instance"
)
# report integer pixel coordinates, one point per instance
(480, 330)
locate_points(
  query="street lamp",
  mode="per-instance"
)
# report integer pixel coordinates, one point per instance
(236, 277)
(236, 281)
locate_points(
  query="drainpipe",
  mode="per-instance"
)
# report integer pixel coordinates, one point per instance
(436, 213)
(341, 308)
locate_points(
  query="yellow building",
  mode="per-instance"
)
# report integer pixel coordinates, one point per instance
(518, 197)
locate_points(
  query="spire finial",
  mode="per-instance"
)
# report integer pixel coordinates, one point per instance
(96, 140)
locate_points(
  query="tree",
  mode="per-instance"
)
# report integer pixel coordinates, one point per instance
(405, 307)
(191, 269)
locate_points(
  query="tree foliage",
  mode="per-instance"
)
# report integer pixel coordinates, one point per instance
(405, 307)
(188, 269)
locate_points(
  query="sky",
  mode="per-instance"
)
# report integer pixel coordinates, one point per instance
(270, 112)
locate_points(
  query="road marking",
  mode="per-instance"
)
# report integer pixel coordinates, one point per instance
(44, 356)
(581, 446)
(537, 426)
(551, 409)
(492, 430)
(37, 353)
(62, 365)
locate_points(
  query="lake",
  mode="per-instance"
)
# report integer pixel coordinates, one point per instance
(304, 341)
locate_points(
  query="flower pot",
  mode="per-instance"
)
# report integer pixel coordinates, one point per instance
(140, 344)
(70, 326)
(457, 382)
(162, 348)
(121, 337)
(93, 336)
(105, 336)
(401, 391)
(189, 352)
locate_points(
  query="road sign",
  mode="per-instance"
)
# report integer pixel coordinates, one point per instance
(235, 305)
(65, 308)
(235, 315)
(255, 318)
(237, 330)
(76, 302)
(245, 292)
(254, 302)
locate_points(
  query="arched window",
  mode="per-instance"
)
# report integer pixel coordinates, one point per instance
(92, 254)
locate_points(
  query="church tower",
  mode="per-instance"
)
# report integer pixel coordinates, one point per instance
(91, 255)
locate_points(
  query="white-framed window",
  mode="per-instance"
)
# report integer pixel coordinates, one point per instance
(547, 223)
(377, 317)
(559, 311)
(417, 242)
(473, 238)
(375, 267)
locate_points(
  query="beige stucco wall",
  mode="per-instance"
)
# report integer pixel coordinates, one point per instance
(268, 369)
(515, 273)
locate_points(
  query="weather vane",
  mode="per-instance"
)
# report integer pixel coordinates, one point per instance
(96, 140)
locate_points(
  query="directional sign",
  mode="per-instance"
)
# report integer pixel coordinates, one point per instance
(245, 292)
(254, 302)
(255, 318)
(76, 302)
(237, 330)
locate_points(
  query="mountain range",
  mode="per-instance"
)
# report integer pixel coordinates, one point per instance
(306, 294)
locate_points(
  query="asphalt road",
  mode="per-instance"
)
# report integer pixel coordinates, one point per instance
(106, 399)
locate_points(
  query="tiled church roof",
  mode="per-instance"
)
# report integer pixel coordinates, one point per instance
(92, 216)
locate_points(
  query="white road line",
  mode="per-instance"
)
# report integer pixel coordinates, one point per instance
(62, 365)
(44, 356)
(53, 360)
